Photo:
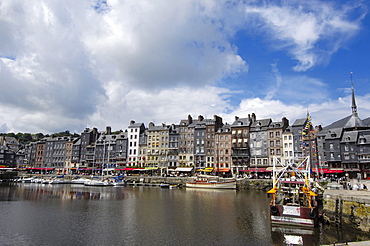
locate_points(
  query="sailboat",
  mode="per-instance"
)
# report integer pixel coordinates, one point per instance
(97, 181)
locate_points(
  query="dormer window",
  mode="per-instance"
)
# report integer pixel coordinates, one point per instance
(362, 140)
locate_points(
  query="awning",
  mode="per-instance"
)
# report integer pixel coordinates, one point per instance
(133, 169)
(151, 168)
(258, 170)
(222, 169)
(108, 169)
(272, 168)
(325, 170)
(183, 169)
(208, 169)
(40, 168)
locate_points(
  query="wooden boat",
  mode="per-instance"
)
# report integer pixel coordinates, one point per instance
(293, 200)
(207, 183)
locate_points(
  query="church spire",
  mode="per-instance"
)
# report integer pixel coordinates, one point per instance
(354, 107)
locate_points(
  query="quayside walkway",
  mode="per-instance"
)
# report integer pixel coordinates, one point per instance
(363, 243)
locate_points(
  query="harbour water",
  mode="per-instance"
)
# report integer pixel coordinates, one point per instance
(38, 214)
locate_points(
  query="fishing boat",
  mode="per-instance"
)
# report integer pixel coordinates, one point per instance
(294, 196)
(211, 183)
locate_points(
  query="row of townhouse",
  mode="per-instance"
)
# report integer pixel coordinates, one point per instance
(8, 148)
(248, 144)
(193, 144)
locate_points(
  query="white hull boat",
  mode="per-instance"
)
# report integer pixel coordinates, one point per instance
(210, 184)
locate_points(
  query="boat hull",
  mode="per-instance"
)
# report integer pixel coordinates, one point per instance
(97, 183)
(212, 185)
(294, 216)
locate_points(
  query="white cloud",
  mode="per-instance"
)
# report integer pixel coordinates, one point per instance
(300, 27)
(155, 45)
(65, 65)
(158, 106)
(323, 113)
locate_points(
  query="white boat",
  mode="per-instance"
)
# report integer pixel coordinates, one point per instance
(207, 183)
(164, 185)
(59, 181)
(119, 182)
(94, 182)
(79, 180)
(28, 180)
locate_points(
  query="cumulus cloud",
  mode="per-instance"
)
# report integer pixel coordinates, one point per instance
(323, 113)
(158, 106)
(65, 65)
(154, 45)
(300, 27)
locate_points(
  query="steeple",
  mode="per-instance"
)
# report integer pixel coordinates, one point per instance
(354, 121)
(354, 107)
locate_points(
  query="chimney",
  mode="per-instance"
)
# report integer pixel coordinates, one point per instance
(249, 117)
(108, 130)
(236, 118)
(200, 118)
(190, 119)
(285, 122)
(253, 117)
(132, 122)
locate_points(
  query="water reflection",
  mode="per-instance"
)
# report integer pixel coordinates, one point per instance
(80, 215)
(34, 192)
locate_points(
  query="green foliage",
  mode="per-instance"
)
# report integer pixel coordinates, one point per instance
(25, 138)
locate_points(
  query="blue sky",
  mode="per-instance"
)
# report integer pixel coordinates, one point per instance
(67, 65)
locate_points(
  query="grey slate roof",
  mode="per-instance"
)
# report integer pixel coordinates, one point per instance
(288, 129)
(334, 133)
(261, 123)
(241, 122)
(135, 125)
(349, 137)
(299, 122)
(351, 121)
(366, 121)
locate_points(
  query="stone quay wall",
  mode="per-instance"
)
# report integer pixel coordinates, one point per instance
(242, 184)
(347, 208)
